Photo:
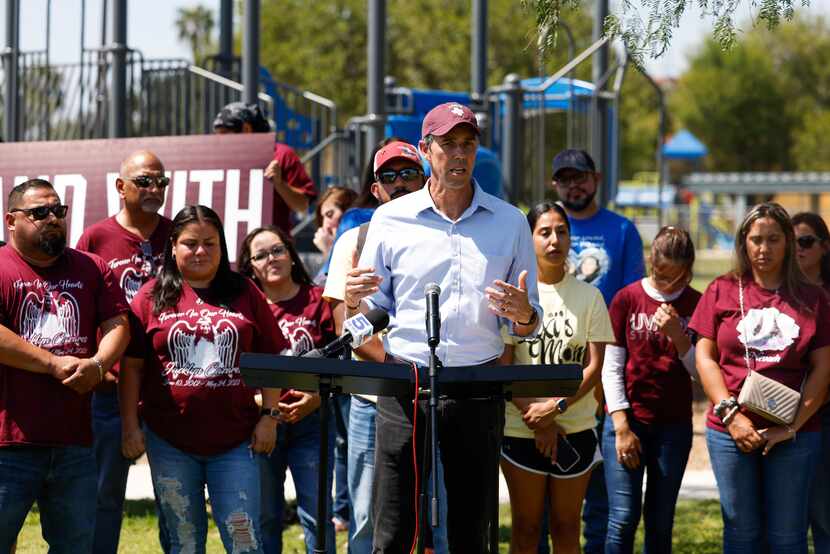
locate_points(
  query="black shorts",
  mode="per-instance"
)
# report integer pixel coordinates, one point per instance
(578, 454)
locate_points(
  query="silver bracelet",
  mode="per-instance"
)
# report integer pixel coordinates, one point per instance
(100, 368)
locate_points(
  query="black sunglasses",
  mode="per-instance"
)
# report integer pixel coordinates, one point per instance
(145, 181)
(276, 251)
(806, 241)
(42, 212)
(389, 176)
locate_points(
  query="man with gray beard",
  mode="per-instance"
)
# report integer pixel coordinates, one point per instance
(131, 243)
(68, 305)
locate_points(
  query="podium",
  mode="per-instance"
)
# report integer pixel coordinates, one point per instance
(328, 376)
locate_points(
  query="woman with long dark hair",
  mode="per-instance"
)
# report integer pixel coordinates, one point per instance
(269, 257)
(812, 241)
(648, 392)
(202, 424)
(550, 446)
(763, 318)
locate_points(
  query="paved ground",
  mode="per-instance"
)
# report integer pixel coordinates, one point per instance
(697, 484)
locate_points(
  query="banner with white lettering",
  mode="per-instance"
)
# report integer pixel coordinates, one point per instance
(224, 172)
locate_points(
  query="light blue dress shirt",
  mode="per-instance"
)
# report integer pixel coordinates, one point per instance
(410, 243)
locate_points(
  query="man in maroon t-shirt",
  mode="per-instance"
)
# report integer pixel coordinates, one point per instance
(60, 300)
(131, 243)
(294, 188)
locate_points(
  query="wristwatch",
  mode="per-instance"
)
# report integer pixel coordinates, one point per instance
(723, 407)
(270, 412)
(562, 405)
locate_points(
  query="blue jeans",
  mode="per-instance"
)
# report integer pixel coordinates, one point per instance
(62, 481)
(233, 483)
(113, 469)
(595, 509)
(361, 469)
(298, 449)
(820, 492)
(665, 451)
(340, 417)
(764, 498)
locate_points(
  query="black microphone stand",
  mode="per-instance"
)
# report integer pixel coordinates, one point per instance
(327, 394)
(431, 435)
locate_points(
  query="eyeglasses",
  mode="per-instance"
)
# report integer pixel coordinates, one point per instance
(276, 251)
(42, 212)
(806, 241)
(577, 179)
(389, 176)
(146, 181)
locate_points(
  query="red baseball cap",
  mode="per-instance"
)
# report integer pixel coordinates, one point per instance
(443, 118)
(396, 150)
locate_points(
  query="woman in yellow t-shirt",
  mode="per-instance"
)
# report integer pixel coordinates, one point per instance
(549, 443)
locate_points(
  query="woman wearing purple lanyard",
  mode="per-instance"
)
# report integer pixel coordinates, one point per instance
(763, 317)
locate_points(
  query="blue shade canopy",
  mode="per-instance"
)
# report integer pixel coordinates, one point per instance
(558, 95)
(684, 146)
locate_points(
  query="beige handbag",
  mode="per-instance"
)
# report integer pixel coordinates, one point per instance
(764, 396)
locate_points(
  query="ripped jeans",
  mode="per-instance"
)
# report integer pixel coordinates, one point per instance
(233, 483)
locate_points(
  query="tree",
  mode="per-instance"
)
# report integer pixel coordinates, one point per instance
(662, 17)
(321, 46)
(194, 26)
(761, 106)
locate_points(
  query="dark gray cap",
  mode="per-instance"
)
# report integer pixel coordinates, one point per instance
(571, 158)
(235, 114)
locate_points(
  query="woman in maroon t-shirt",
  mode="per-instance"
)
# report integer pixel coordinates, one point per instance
(763, 317)
(648, 394)
(202, 425)
(813, 246)
(269, 257)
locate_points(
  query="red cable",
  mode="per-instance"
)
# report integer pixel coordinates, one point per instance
(415, 460)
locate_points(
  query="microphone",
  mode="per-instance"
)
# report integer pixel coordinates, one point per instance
(432, 291)
(356, 330)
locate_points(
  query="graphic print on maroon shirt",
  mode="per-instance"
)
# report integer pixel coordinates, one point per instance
(58, 308)
(779, 332)
(657, 385)
(126, 253)
(305, 321)
(192, 392)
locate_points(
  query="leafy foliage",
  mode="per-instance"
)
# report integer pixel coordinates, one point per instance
(193, 27)
(765, 105)
(646, 27)
(321, 46)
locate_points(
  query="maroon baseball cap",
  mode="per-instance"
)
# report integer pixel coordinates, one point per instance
(396, 150)
(443, 118)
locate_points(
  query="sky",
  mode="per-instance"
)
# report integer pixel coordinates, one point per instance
(151, 30)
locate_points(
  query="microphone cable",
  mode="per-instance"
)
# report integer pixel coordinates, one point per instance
(415, 462)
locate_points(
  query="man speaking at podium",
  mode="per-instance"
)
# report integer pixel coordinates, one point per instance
(478, 249)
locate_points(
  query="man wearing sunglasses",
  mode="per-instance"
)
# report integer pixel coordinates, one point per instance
(479, 250)
(398, 172)
(68, 303)
(131, 243)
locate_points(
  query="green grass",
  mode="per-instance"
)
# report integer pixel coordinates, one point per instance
(697, 530)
